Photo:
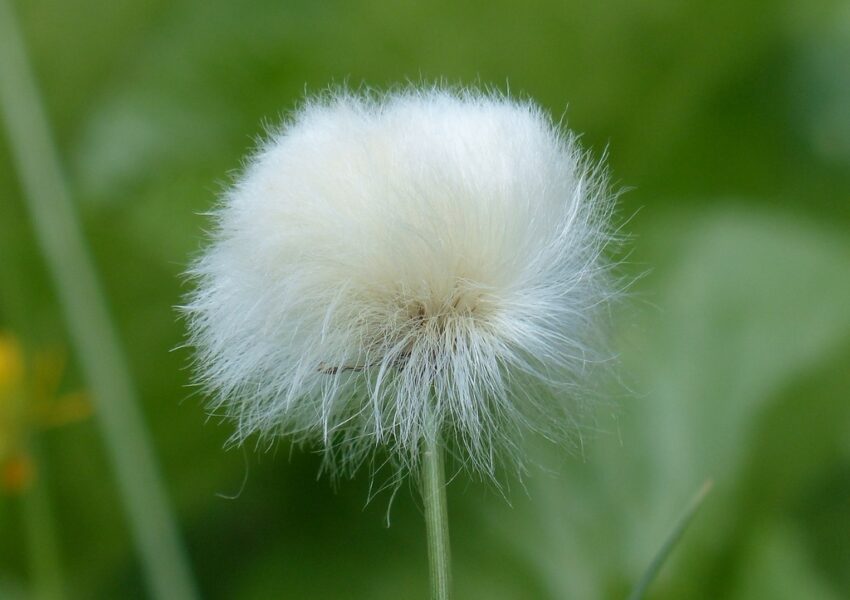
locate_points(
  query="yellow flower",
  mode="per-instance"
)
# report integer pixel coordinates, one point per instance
(11, 363)
(28, 403)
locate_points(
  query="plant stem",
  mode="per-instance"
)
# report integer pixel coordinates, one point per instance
(44, 562)
(91, 330)
(436, 518)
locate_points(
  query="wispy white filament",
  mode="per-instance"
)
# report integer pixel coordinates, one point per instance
(388, 267)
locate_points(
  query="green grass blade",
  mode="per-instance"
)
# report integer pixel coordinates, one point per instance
(670, 543)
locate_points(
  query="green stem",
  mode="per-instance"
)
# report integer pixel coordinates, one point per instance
(91, 330)
(436, 518)
(42, 548)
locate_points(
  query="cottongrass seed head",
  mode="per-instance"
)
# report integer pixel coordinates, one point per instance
(398, 266)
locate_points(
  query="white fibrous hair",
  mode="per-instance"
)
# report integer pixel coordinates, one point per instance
(391, 267)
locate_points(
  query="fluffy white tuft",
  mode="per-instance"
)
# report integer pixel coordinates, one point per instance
(392, 267)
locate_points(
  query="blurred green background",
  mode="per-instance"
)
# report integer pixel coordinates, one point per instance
(728, 122)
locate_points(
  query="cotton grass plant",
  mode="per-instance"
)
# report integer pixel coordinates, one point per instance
(406, 273)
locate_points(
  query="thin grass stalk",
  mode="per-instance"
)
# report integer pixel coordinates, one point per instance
(654, 568)
(436, 518)
(45, 565)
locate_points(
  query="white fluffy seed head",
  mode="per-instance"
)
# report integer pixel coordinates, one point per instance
(393, 267)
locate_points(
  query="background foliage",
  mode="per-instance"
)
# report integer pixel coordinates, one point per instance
(730, 125)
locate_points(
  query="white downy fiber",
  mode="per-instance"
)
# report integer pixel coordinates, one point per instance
(395, 266)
